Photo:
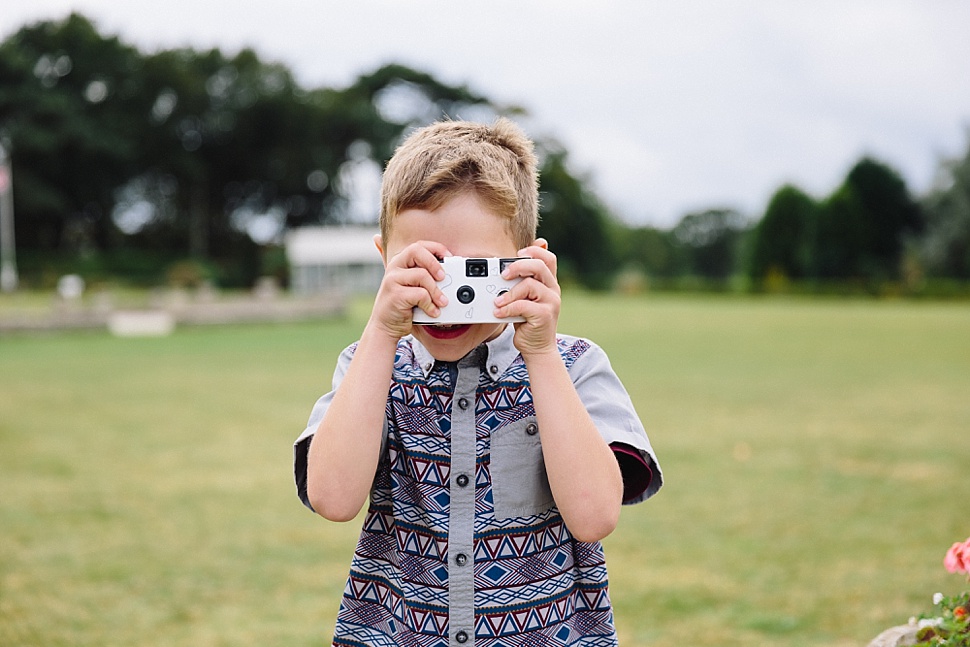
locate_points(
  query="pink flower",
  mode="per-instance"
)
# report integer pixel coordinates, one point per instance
(957, 559)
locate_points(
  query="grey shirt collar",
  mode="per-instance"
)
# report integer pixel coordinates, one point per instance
(500, 353)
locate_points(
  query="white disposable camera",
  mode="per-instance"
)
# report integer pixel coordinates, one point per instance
(471, 285)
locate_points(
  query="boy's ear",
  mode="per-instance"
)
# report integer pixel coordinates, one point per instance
(379, 244)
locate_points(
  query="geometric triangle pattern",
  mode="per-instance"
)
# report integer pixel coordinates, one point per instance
(533, 584)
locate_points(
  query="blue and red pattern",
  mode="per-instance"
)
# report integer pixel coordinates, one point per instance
(533, 583)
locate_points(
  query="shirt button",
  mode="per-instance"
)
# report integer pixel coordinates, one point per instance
(463, 403)
(493, 369)
(462, 480)
(461, 559)
(461, 637)
(532, 429)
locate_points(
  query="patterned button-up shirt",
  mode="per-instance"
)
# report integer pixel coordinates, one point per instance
(462, 544)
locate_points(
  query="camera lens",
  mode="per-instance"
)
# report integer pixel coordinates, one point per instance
(466, 294)
(475, 267)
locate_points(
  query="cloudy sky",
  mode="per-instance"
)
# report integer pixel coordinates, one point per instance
(668, 105)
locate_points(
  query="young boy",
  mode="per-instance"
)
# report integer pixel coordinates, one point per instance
(496, 456)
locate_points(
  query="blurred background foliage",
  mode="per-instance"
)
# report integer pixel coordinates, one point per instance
(127, 163)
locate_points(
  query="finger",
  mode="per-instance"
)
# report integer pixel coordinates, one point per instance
(425, 254)
(540, 250)
(404, 298)
(429, 254)
(536, 313)
(418, 277)
(536, 268)
(540, 253)
(522, 298)
(421, 299)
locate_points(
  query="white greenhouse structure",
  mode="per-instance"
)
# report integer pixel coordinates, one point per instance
(333, 259)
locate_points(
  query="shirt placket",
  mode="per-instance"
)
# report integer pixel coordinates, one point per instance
(461, 566)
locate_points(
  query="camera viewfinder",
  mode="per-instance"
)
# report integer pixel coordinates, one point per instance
(475, 267)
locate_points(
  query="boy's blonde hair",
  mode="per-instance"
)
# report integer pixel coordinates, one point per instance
(437, 162)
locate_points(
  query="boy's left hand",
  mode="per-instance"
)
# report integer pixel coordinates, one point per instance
(537, 298)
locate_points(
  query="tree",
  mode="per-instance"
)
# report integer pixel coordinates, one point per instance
(711, 239)
(227, 140)
(245, 143)
(655, 252)
(863, 225)
(66, 105)
(945, 247)
(783, 241)
(183, 151)
(574, 222)
(839, 235)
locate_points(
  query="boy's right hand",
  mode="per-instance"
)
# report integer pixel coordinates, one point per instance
(410, 280)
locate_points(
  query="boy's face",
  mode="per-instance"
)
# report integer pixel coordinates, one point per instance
(466, 228)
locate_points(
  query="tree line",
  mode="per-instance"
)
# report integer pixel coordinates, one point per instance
(870, 235)
(143, 165)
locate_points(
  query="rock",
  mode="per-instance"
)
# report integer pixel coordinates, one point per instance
(896, 637)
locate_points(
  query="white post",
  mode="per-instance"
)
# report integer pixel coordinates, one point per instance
(8, 250)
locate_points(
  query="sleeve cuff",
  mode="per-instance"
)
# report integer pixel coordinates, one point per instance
(637, 474)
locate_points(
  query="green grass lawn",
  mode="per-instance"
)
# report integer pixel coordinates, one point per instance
(816, 456)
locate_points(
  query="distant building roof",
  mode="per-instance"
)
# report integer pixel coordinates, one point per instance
(332, 246)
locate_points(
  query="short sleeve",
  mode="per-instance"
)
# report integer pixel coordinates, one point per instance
(302, 445)
(611, 409)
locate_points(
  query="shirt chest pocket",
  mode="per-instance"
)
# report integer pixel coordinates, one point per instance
(520, 486)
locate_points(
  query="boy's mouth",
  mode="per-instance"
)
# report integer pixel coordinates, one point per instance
(446, 331)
